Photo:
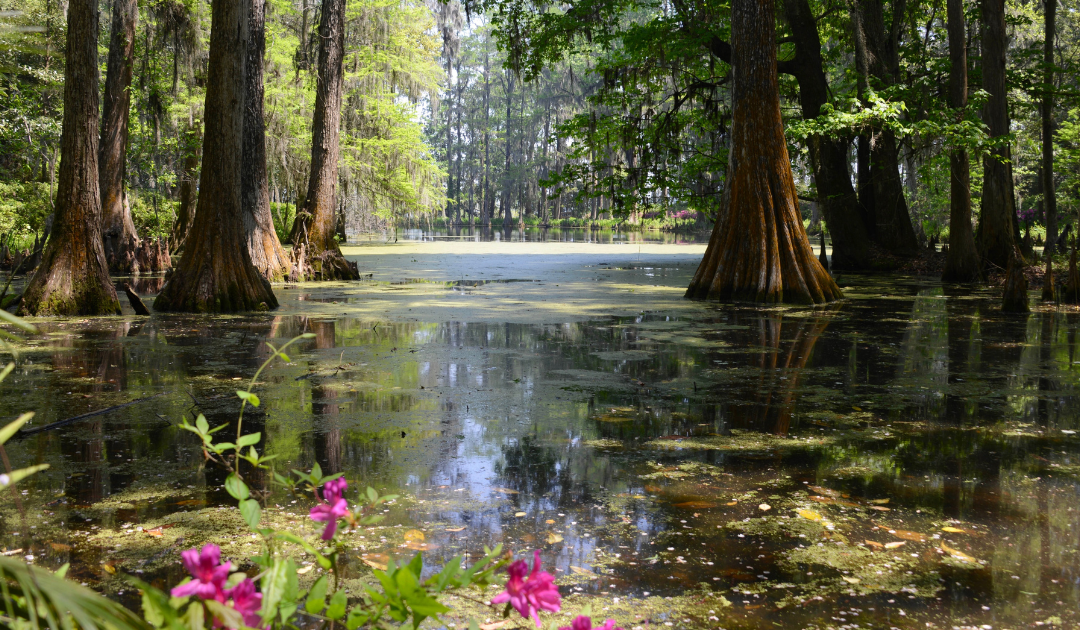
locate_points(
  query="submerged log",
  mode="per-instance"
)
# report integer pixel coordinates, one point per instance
(135, 301)
(1015, 298)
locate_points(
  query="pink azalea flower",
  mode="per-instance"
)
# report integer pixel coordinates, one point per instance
(532, 593)
(247, 602)
(208, 574)
(333, 508)
(581, 622)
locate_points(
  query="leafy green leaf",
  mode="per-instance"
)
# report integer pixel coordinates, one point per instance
(251, 512)
(357, 617)
(22, 473)
(273, 585)
(248, 440)
(251, 398)
(13, 427)
(316, 599)
(236, 487)
(336, 610)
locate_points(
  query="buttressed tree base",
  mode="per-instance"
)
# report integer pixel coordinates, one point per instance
(73, 277)
(759, 250)
(216, 273)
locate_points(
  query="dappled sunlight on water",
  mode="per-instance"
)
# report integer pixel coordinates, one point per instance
(907, 457)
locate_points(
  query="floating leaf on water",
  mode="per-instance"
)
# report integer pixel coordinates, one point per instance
(954, 530)
(695, 504)
(878, 501)
(894, 545)
(504, 490)
(874, 543)
(880, 508)
(375, 560)
(959, 555)
(154, 532)
(550, 521)
(519, 514)
(906, 535)
(810, 515)
(494, 625)
(110, 569)
(856, 408)
(825, 491)
(455, 529)
(61, 547)
(305, 570)
(851, 580)
(732, 503)
(553, 538)
(414, 535)
(764, 507)
(581, 571)
(420, 546)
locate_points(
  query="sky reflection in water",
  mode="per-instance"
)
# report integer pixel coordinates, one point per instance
(637, 448)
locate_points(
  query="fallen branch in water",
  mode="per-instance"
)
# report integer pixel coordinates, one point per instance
(61, 423)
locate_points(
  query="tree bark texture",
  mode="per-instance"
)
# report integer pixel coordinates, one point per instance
(962, 262)
(876, 54)
(266, 251)
(1049, 199)
(314, 228)
(759, 250)
(73, 277)
(189, 194)
(121, 240)
(828, 156)
(216, 273)
(998, 232)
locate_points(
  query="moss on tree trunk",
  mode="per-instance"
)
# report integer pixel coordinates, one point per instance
(759, 250)
(73, 278)
(216, 273)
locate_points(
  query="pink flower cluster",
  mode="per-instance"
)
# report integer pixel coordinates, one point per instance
(209, 575)
(333, 508)
(581, 622)
(532, 592)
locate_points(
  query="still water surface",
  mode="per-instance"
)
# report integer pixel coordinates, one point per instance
(907, 458)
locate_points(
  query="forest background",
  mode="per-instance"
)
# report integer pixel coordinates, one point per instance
(515, 114)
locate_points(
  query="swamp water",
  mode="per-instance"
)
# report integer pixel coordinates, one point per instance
(907, 458)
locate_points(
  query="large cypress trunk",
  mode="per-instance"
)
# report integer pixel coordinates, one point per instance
(121, 240)
(266, 251)
(73, 277)
(828, 156)
(313, 230)
(877, 58)
(962, 263)
(998, 232)
(216, 273)
(759, 250)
